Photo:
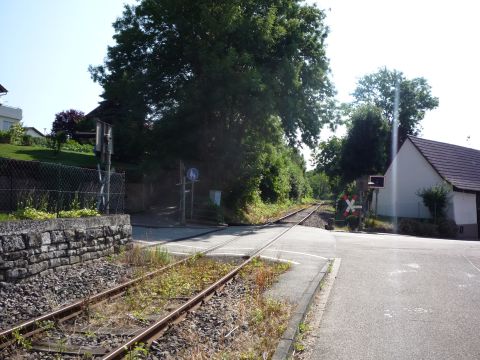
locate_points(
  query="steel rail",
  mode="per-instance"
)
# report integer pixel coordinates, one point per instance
(33, 326)
(156, 329)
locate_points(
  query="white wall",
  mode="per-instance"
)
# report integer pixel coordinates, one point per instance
(413, 173)
(464, 208)
(9, 116)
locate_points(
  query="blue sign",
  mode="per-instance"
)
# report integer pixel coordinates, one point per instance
(192, 174)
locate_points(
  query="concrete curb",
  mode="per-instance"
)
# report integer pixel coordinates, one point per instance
(285, 345)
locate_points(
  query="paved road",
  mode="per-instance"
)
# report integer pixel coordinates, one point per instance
(398, 297)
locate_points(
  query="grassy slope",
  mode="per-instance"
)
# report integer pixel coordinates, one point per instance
(37, 153)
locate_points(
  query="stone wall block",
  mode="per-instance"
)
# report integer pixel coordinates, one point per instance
(69, 235)
(80, 235)
(46, 238)
(74, 259)
(33, 240)
(14, 274)
(22, 254)
(57, 237)
(12, 243)
(38, 267)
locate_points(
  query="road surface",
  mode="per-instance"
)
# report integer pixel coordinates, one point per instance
(399, 297)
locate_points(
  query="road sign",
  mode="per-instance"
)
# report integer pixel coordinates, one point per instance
(376, 182)
(351, 207)
(192, 174)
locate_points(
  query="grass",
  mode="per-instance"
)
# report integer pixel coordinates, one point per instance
(38, 153)
(260, 212)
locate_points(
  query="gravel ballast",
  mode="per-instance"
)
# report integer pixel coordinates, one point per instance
(40, 294)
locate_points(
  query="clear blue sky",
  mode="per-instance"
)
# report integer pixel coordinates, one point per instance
(48, 45)
(46, 48)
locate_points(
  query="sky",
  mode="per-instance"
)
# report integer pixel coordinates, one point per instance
(47, 46)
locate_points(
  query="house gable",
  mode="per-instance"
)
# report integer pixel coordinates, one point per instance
(414, 172)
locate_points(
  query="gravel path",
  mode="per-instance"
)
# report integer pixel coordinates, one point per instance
(41, 294)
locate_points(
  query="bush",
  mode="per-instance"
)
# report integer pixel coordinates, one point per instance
(16, 134)
(352, 222)
(447, 228)
(33, 214)
(39, 141)
(444, 229)
(435, 199)
(78, 213)
(27, 140)
(4, 137)
(72, 145)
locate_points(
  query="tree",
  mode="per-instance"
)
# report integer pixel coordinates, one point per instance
(327, 158)
(206, 73)
(363, 152)
(416, 99)
(67, 121)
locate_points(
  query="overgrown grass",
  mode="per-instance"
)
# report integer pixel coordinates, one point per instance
(260, 212)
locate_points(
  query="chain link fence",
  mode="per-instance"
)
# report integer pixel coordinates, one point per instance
(53, 188)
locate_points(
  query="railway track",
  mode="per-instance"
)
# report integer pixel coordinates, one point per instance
(137, 335)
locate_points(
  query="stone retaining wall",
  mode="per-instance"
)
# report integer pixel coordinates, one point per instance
(31, 247)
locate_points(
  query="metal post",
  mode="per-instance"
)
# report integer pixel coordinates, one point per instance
(191, 201)
(376, 202)
(109, 159)
(182, 194)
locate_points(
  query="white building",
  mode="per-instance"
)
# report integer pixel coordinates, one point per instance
(424, 163)
(8, 115)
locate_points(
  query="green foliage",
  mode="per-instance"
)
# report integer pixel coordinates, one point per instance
(435, 199)
(320, 184)
(78, 213)
(72, 145)
(27, 140)
(363, 152)
(21, 341)
(16, 133)
(29, 213)
(378, 89)
(4, 137)
(55, 141)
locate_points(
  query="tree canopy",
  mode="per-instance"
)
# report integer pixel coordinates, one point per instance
(220, 67)
(218, 82)
(416, 99)
(67, 121)
(363, 152)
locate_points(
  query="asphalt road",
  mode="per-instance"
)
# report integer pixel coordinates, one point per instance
(398, 297)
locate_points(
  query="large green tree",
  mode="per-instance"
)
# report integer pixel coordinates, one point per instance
(208, 72)
(215, 82)
(415, 98)
(363, 152)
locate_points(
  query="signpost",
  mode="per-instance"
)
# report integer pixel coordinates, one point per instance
(192, 175)
(376, 182)
(104, 146)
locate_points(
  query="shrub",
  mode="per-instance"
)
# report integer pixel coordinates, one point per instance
(56, 141)
(352, 222)
(447, 228)
(4, 137)
(78, 213)
(435, 199)
(16, 134)
(39, 141)
(33, 214)
(72, 145)
(27, 140)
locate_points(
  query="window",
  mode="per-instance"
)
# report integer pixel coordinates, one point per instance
(7, 125)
